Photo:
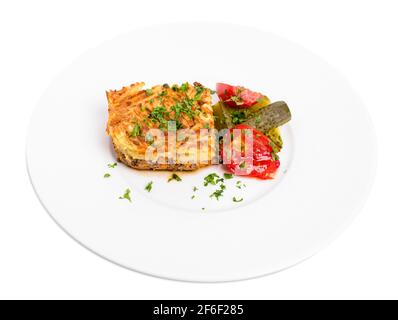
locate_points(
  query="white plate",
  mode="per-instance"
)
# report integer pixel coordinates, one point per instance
(328, 162)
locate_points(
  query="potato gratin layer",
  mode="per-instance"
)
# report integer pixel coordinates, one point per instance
(160, 128)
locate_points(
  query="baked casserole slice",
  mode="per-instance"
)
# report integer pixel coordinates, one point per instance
(183, 114)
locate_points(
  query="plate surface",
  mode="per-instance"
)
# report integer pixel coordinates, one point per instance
(328, 162)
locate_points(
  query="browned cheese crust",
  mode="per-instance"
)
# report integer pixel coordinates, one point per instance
(133, 112)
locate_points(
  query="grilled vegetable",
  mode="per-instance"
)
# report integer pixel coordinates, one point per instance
(263, 102)
(262, 116)
(275, 138)
(219, 118)
(237, 96)
(257, 116)
(262, 163)
(273, 116)
(227, 117)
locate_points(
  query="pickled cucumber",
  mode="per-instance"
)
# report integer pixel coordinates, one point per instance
(263, 116)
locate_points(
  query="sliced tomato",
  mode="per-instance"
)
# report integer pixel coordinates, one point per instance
(266, 169)
(237, 96)
(224, 91)
(260, 162)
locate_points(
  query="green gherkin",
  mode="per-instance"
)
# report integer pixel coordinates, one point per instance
(275, 136)
(263, 116)
(270, 117)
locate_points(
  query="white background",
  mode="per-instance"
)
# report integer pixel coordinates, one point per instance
(40, 38)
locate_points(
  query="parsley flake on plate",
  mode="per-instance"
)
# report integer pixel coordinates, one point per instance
(213, 179)
(235, 199)
(174, 177)
(228, 176)
(218, 193)
(149, 186)
(239, 184)
(126, 195)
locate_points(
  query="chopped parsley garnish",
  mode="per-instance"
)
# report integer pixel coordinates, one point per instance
(238, 100)
(174, 177)
(243, 165)
(195, 189)
(187, 108)
(177, 108)
(199, 91)
(149, 186)
(152, 100)
(126, 195)
(238, 117)
(187, 105)
(212, 92)
(239, 184)
(184, 87)
(149, 92)
(112, 165)
(218, 193)
(212, 179)
(136, 131)
(183, 107)
(193, 197)
(228, 176)
(158, 114)
(107, 175)
(175, 88)
(235, 199)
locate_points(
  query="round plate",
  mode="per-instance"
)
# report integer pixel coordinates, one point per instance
(328, 161)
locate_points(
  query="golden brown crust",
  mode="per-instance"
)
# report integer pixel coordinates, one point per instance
(133, 110)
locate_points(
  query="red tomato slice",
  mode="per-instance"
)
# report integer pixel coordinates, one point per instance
(237, 96)
(224, 91)
(266, 170)
(259, 163)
